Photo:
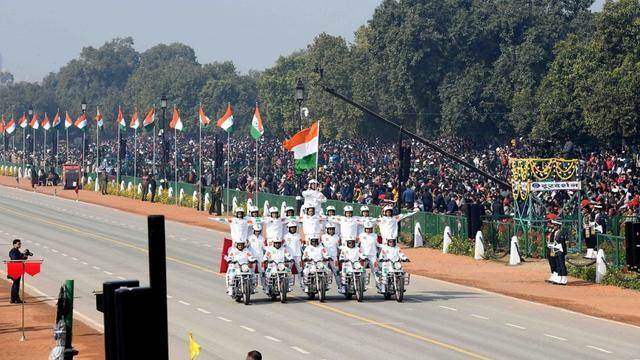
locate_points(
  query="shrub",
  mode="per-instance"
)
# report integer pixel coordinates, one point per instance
(461, 246)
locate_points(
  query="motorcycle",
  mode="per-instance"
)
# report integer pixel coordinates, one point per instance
(391, 279)
(354, 279)
(316, 279)
(244, 282)
(279, 281)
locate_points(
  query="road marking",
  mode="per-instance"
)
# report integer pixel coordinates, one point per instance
(65, 255)
(184, 302)
(555, 337)
(106, 272)
(300, 350)
(121, 278)
(599, 349)
(223, 319)
(46, 247)
(203, 311)
(272, 338)
(248, 328)
(480, 317)
(37, 244)
(377, 323)
(74, 259)
(54, 250)
(448, 308)
(85, 263)
(169, 296)
(95, 267)
(516, 326)
(207, 245)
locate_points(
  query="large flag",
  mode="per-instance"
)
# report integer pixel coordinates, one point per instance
(122, 124)
(135, 121)
(226, 121)
(3, 124)
(23, 121)
(34, 123)
(11, 126)
(176, 122)
(256, 125)
(68, 121)
(81, 122)
(204, 120)
(45, 122)
(99, 121)
(56, 119)
(194, 348)
(150, 119)
(305, 147)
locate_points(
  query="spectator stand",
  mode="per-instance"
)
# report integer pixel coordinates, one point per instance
(534, 181)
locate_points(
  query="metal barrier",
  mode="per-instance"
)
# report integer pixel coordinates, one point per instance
(613, 247)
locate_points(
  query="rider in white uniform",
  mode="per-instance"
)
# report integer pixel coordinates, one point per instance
(388, 223)
(256, 244)
(293, 243)
(275, 254)
(313, 197)
(369, 245)
(240, 255)
(331, 242)
(331, 212)
(350, 252)
(348, 224)
(311, 223)
(364, 216)
(391, 251)
(239, 225)
(274, 224)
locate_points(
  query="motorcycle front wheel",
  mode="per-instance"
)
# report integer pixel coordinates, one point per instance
(399, 287)
(284, 287)
(359, 286)
(322, 291)
(246, 292)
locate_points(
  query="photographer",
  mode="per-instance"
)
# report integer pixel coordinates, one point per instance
(15, 254)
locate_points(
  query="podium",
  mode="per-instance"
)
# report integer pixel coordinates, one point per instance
(15, 270)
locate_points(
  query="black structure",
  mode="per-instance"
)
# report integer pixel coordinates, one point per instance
(474, 221)
(632, 238)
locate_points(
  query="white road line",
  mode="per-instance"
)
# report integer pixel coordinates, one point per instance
(480, 317)
(106, 272)
(599, 349)
(203, 311)
(37, 244)
(85, 263)
(207, 245)
(74, 259)
(95, 267)
(169, 296)
(300, 350)
(54, 250)
(223, 319)
(121, 278)
(64, 255)
(184, 302)
(448, 308)
(46, 247)
(516, 326)
(248, 328)
(555, 337)
(272, 338)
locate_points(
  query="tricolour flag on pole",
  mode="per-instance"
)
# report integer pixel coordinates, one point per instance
(68, 121)
(226, 121)
(194, 348)
(305, 147)
(176, 122)
(122, 124)
(204, 119)
(135, 121)
(81, 122)
(23, 121)
(256, 125)
(99, 121)
(56, 120)
(34, 123)
(11, 126)
(150, 119)
(45, 122)
(3, 124)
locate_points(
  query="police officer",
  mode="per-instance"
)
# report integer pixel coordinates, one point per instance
(152, 185)
(15, 254)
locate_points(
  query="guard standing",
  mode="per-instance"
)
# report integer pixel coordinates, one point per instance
(216, 199)
(145, 187)
(15, 254)
(152, 185)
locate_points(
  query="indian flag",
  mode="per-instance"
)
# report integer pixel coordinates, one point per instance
(256, 125)
(176, 122)
(226, 121)
(23, 121)
(305, 147)
(45, 122)
(11, 126)
(135, 121)
(34, 123)
(56, 119)
(122, 124)
(204, 120)
(99, 121)
(150, 119)
(68, 121)
(81, 122)
(3, 125)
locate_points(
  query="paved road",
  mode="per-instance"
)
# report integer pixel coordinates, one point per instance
(438, 320)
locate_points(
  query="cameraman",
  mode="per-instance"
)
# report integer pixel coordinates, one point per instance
(15, 254)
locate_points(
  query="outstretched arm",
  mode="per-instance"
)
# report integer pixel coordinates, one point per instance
(221, 220)
(400, 217)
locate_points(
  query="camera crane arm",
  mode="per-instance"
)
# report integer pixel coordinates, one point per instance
(412, 135)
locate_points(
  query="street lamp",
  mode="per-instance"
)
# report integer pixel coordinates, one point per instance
(299, 100)
(84, 106)
(33, 135)
(163, 105)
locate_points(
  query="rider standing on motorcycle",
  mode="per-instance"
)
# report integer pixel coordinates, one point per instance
(313, 197)
(364, 216)
(348, 224)
(256, 244)
(239, 255)
(274, 224)
(369, 245)
(238, 226)
(331, 242)
(388, 223)
(331, 211)
(293, 243)
(311, 223)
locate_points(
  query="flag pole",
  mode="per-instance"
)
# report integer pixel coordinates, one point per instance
(67, 145)
(200, 158)
(228, 168)
(118, 157)
(175, 160)
(82, 162)
(135, 160)
(24, 150)
(318, 154)
(44, 146)
(153, 168)
(257, 181)
(97, 148)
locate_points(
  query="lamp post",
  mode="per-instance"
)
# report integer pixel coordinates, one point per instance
(163, 105)
(83, 106)
(299, 100)
(30, 112)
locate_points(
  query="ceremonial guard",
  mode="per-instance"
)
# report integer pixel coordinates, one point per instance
(557, 253)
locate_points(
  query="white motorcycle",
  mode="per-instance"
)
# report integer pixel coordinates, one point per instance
(391, 279)
(354, 279)
(244, 282)
(316, 279)
(279, 281)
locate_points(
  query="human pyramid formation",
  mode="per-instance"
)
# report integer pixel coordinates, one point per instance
(325, 238)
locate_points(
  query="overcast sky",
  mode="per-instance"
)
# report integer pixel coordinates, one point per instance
(39, 36)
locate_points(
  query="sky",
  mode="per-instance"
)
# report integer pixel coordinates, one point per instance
(40, 36)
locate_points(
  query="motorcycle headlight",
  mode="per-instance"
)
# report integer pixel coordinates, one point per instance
(397, 266)
(319, 265)
(357, 266)
(281, 267)
(245, 268)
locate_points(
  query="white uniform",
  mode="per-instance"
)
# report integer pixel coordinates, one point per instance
(243, 256)
(351, 254)
(311, 225)
(315, 253)
(274, 228)
(348, 227)
(239, 228)
(294, 246)
(389, 225)
(331, 243)
(276, 255)
(315, 198)
(392, 253)
(362, 220)
(369, 246)
(256, 246)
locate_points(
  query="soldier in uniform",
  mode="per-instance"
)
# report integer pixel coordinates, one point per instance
(557, 253)
(589, 231)
(152, 185)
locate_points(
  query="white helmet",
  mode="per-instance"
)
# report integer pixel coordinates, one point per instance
(330, 226)
(257, 227)
(273, 209)
(240, 209)
(253, 208)
(368, 225)
(364, 208)
(388, 207)
(242, 241)
(331, 207)
(313, 181)
(348, 208)
(291, 224)
(289, 208)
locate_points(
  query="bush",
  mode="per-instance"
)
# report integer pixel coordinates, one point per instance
(461, 246)
(614, 277)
